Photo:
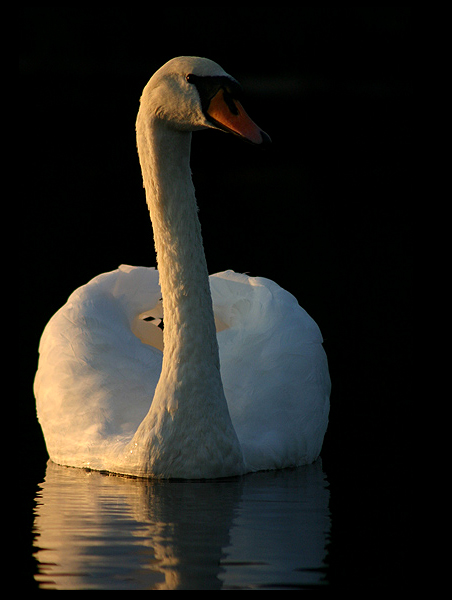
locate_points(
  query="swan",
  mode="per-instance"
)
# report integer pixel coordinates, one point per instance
(238, 380)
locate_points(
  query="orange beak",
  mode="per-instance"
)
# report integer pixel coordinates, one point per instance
(231, 116)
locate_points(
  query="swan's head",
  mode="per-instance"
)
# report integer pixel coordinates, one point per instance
(190, 93)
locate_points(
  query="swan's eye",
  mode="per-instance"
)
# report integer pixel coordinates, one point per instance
(189, 78)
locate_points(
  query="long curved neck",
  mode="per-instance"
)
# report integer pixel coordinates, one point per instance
(188, 431)
(189, 333)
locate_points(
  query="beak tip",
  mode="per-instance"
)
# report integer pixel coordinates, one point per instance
(266, 139)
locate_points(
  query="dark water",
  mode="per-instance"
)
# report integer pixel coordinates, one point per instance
(263, 531)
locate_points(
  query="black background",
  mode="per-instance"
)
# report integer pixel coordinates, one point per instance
(325, 211)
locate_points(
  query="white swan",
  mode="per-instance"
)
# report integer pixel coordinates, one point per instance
(106, 396)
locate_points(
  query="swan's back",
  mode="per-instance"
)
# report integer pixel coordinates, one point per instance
(96, 378)
(274, 370)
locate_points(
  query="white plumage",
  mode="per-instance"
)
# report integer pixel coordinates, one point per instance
(108, 399)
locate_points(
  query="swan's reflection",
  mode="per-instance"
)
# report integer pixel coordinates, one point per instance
(95, 531)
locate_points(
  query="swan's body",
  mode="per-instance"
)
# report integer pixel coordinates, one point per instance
(108, 401)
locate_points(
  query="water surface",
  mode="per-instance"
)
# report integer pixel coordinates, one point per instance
(262, 531)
